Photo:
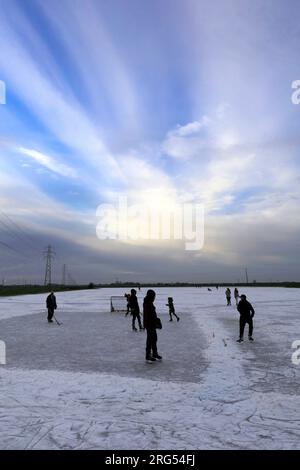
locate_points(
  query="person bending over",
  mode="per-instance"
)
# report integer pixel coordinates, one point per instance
(246, 316)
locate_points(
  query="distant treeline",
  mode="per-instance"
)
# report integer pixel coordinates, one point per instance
(190, 284)
(37, 289)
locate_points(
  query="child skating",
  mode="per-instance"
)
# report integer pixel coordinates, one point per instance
(170, 304)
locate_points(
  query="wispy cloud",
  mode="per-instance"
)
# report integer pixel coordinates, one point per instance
(48, 162)
(102, 73)
(62, 116)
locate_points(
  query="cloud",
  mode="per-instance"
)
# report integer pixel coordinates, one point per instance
(81, 88)
(187, 141)
(103, 73)
(209, 134)
(60, 114)
(48, 162)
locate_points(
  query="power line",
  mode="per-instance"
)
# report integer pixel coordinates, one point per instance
(11, 232)
(13, 249)
(24, 236)
(31, 240)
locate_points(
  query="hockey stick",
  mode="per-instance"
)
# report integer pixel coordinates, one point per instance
(56, 320)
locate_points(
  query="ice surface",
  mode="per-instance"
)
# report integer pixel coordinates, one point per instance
(85, 385)
(102, 342)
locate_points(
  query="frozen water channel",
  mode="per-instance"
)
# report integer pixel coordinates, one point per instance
(103, 342)
(85, 385)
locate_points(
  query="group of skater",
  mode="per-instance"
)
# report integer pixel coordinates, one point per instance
(235, 293)
(151, 322)
(134, 309)
(150, 319)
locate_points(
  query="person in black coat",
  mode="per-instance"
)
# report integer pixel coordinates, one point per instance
(246, 316)
(51, 306)
(135, 310)
(150, 322)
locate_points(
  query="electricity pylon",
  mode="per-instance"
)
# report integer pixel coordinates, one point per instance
(49, 255)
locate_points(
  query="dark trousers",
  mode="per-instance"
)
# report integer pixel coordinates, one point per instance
(243, 321)
(50, 313)
(172, 312)
(151, 343)
(228, 300)
(136, 315)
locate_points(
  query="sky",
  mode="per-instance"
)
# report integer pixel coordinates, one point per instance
(165, 103)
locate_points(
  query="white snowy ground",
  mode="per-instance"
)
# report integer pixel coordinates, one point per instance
(85, 385)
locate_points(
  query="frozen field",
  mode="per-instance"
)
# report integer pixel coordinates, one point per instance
(85, 385)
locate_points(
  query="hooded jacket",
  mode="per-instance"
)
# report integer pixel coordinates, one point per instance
(245, 308)
(149, 313)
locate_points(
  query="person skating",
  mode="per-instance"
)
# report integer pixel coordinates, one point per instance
(135, 310)
(150, 317)
(170, 304)
(51, 306)
(246, 316)
(236, 295)
(228, 296)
